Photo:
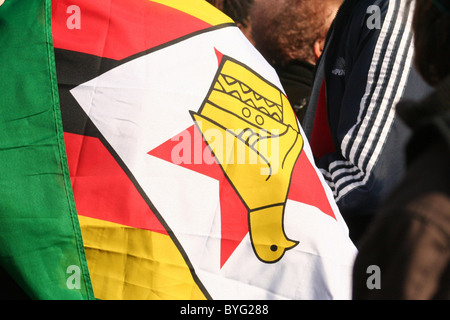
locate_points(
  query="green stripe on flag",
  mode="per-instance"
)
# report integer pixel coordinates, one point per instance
(40, 239)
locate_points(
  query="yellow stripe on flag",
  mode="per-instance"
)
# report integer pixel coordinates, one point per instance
(134, 264)
(199, 9)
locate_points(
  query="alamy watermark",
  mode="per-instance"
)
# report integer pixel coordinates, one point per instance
(74, 20)
(73, 281)
(229, 147)
(374, 19)
(374, 280)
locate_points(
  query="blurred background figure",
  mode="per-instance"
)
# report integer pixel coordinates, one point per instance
(409, 241)
(290, 34)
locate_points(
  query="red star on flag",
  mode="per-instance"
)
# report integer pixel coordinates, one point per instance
(234, 219)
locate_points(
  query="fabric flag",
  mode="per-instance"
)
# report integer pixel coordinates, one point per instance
(190, 173)
(41, 249)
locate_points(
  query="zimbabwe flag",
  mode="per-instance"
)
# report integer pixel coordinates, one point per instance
(189, 170)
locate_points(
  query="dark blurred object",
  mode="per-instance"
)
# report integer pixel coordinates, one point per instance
(9, 289)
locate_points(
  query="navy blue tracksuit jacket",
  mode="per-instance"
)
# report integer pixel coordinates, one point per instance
(365, 69)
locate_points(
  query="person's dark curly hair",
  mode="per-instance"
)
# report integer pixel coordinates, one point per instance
(290, 28)
(431, 25)
(238, 10)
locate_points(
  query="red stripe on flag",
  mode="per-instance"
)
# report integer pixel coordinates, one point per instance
(118, 29)
(102, 190)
